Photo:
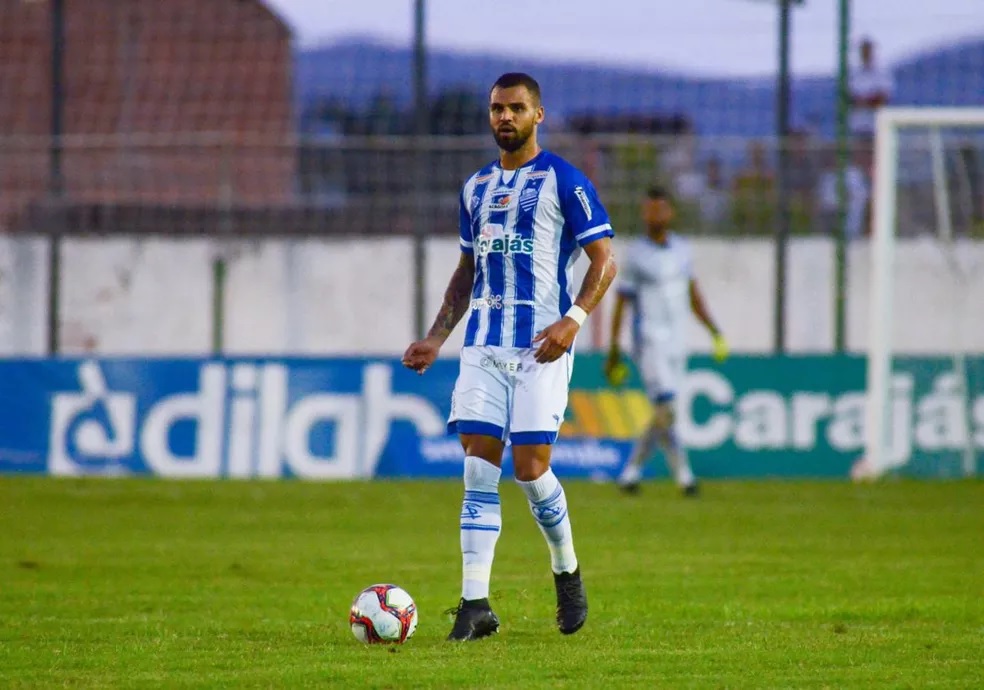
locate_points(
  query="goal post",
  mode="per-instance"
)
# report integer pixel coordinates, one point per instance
(898, 131)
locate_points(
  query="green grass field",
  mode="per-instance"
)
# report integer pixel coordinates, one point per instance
(129, 583)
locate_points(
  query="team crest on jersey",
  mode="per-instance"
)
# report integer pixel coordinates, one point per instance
(528, 197)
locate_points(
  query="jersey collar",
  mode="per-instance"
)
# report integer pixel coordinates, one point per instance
(531, 161)
(661, 245)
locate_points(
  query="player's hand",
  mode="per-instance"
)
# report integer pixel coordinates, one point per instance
(421, 354)
(555, 340)
(615, 369)
(720, 347)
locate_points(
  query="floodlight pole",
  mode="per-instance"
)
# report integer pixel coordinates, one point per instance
(843, 105)
(56, 179)
(419, 209)
(782, 197)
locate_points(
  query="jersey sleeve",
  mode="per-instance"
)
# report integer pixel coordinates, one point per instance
(584, 211)
(688, 262)
(464, 226)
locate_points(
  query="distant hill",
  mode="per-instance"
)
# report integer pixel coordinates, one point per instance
(950, 76)
(354, 71)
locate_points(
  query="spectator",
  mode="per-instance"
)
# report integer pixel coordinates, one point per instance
(857, 197)
(870, 88)
(679, 165)
(802, 176)
(753, 209)
(679, 162)
(715, 200)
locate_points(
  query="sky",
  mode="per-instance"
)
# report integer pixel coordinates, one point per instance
(723, 37)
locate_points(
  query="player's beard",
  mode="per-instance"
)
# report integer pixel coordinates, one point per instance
(514, 142)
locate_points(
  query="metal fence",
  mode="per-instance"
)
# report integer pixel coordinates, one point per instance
(398, 185)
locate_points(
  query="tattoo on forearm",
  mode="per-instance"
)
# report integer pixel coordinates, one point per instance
(456, 299)
(596, 281)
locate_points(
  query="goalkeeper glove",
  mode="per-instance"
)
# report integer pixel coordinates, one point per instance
(720, 347)
(616, 370)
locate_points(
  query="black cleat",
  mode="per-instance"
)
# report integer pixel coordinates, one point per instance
(630, 488)
(691, 490)
(572, 602)
(473, 620)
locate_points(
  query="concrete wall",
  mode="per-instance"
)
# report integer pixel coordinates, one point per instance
(147, 297)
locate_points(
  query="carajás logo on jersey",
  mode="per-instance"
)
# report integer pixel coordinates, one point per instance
(494, 240)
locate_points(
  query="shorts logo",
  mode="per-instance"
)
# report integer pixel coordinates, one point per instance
(582, 196)
(502, 365)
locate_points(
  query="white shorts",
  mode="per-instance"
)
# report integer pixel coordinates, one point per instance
(504, 392)
(662, 373)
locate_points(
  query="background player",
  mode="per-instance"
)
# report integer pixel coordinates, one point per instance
(523, 220)
(658, 279)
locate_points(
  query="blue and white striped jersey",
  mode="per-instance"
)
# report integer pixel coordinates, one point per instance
(525, 229)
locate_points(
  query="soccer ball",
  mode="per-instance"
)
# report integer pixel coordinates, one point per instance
(383, 613)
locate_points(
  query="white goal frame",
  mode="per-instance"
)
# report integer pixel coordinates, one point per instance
(888, 122)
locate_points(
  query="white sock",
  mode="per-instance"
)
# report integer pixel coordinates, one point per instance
(481, 522)
(548, 503)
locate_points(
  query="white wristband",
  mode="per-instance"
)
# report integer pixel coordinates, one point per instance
(578, 314)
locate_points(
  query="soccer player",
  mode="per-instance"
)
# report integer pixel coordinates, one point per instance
(658, 279)
(523, 222)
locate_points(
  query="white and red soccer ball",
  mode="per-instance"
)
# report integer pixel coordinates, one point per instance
(383, 614)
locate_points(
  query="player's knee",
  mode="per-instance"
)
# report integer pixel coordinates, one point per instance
(485, 447)
(530, 472)
(664, 416)
(530, 462)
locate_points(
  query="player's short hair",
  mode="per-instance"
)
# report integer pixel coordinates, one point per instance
(658, 192)
(511, 79)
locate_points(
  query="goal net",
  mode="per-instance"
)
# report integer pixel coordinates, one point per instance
(925, 350)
